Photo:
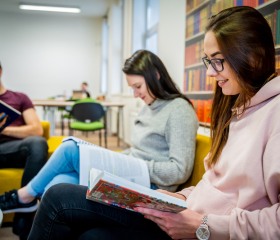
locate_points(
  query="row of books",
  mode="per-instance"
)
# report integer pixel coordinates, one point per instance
(192, 4)
(277, 27)
(222, 4)
(278, 64)
(194, 53)
(273, 20)
(203, 109)
(196, 80)
(197, 20)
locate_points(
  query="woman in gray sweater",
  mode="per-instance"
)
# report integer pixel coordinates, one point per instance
(164, 137)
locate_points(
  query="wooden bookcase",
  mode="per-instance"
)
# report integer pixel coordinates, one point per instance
(197, 86)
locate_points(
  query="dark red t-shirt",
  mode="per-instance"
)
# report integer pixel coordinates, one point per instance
(19, 101)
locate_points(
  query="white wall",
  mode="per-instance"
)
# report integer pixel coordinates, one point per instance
(47, 56)
(171, 38)
(115, 49)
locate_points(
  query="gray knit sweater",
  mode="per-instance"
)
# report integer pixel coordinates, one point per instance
(164, 136)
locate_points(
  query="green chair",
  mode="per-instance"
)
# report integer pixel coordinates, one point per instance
(88, 115)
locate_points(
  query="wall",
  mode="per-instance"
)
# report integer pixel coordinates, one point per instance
(47, 56)
(171, 38)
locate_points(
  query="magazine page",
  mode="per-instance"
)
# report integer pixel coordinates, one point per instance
(113, 190)
(128, 167)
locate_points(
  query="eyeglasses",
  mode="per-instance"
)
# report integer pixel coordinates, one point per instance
(216, 63)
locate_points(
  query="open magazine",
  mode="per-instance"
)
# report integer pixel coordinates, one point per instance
(109, 189)
(124, 166)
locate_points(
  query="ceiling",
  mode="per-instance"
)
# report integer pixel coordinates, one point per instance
(89, 8)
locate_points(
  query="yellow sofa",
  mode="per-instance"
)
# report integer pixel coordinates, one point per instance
(10, 178)
(203, 144)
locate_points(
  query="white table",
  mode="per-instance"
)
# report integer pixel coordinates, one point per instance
(51, 106)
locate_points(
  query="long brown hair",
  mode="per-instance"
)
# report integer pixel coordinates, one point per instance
(246, 42)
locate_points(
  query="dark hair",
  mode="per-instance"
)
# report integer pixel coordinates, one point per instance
(148, 65)
(0, 66)
(246, 42)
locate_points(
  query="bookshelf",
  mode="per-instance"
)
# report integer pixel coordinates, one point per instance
(197, 85)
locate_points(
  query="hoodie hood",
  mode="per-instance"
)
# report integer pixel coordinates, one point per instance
(269, 90)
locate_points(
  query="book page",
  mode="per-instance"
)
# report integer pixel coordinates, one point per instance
(128, 167)
(113, 190)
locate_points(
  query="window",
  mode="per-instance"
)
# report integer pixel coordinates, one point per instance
(145, 25)
(104, 57)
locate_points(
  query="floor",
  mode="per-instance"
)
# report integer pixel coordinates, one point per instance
(6, 232)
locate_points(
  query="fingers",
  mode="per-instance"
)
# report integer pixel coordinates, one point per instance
(151, 212)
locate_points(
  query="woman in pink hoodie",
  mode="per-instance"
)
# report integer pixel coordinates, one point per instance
(238, 196)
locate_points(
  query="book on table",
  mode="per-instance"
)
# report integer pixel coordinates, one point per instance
(8, 114)
(110, 189)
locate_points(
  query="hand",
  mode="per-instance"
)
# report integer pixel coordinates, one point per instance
(180, 196)
(180, 225)
(3, 118)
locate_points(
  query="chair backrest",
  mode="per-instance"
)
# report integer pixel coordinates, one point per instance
(46, 129)
(203, 144)
(87, 111)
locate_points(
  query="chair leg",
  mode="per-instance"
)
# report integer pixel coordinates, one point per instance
(105, 137)
(100, 138)
(62, 124)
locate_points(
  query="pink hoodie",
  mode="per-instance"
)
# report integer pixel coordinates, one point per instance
(241, 192)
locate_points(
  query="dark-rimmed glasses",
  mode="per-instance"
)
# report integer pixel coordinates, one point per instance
(216, 63)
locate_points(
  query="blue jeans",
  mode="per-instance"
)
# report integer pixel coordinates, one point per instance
(65, 213)
(62, 167)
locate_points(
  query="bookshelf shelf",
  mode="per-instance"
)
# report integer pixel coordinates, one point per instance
(196, 65)
(197, 8)
(266, 8)
(202, 95)
(194, 38)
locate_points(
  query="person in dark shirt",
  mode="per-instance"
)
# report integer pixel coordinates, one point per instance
(84, 88)
(22, 146)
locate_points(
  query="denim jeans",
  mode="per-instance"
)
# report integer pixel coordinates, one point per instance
(62, 167)
(65, 213)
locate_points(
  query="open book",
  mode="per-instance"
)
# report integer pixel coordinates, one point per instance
(7, 115)
(125, 166)
(112, 190)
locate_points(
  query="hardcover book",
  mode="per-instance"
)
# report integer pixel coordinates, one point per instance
(7, 115)
(109, 189)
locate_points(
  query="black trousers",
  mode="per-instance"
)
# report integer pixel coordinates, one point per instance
(65, 213)
(30, 154)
